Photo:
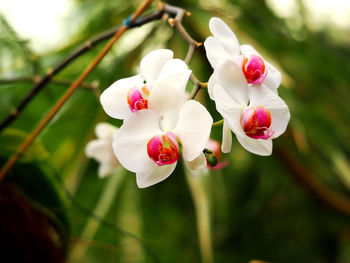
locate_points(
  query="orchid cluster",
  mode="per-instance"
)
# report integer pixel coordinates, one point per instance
(160, 124)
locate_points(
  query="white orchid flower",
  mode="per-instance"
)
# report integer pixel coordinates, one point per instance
(256, 116)
(150, 142)
(130, 95)
(101, 149)
(223, 46)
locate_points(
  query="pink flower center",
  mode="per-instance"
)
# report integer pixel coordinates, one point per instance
(138, 98)
(254, 69)
(256, 122)
(163, 149)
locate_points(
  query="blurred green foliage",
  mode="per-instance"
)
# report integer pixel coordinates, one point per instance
(258, 211)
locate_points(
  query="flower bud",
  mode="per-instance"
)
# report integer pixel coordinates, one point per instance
(215, 147)
(138, 98)
(256, 122)
(163, 149)
(254, 69)
(211, 157)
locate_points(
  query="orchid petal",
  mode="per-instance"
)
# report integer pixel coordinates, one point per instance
(193, 129)
(215, 52)
(166, 101)
(197, 164)
(273, 78)
(226, 138)
(248, 50)
(211, 83)
(105, 130)
(153, 62)
(114, 99)
(105, 169)
(232, 80)
(224, 34)
(175, 71)
(130, 142)
(263, 96)
(229, 109)
(154, 175)
(100, 150)
(256, 146)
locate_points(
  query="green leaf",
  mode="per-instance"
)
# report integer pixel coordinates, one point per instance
(11, 139)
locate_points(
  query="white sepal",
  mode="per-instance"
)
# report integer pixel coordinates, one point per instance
(152, 63)
(197, 164)
(154, 175)
(256, 146)
(232, 80)
(166, 101)
(193, 129)
(226, 138)
(176, 72)
(229, 109)
(130, 142)
(114, 99)
(224, 34)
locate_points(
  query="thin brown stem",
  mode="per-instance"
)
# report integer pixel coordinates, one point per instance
(37, 79)
(327, 196)
(70, 91)
(196, 88)
(72, 57)
(176, 23)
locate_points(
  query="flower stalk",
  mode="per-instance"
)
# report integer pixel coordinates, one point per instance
(102, 207)
(218, 123)
(198, 187)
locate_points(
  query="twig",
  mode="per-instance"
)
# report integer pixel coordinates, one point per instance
(70, 91)
(37, 79)
(193, 44)
(84, 48)
(196, 88)
(177, 24)
(326, 195)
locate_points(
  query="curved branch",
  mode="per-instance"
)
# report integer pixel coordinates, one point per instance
(327, 196)
(176, 23)
(83, 49)
(14, 158)
(37, 79)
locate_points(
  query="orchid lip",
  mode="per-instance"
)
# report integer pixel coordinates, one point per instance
(137, 98)
(164, 149)
(256, 122)
(254, 69)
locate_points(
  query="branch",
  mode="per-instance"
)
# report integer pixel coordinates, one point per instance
(37, 79)
(176, 23)
(327, 196)
(70, 91)
(197, 86)
(83, 49)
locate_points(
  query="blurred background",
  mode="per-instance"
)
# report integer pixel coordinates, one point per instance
(291, 207)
